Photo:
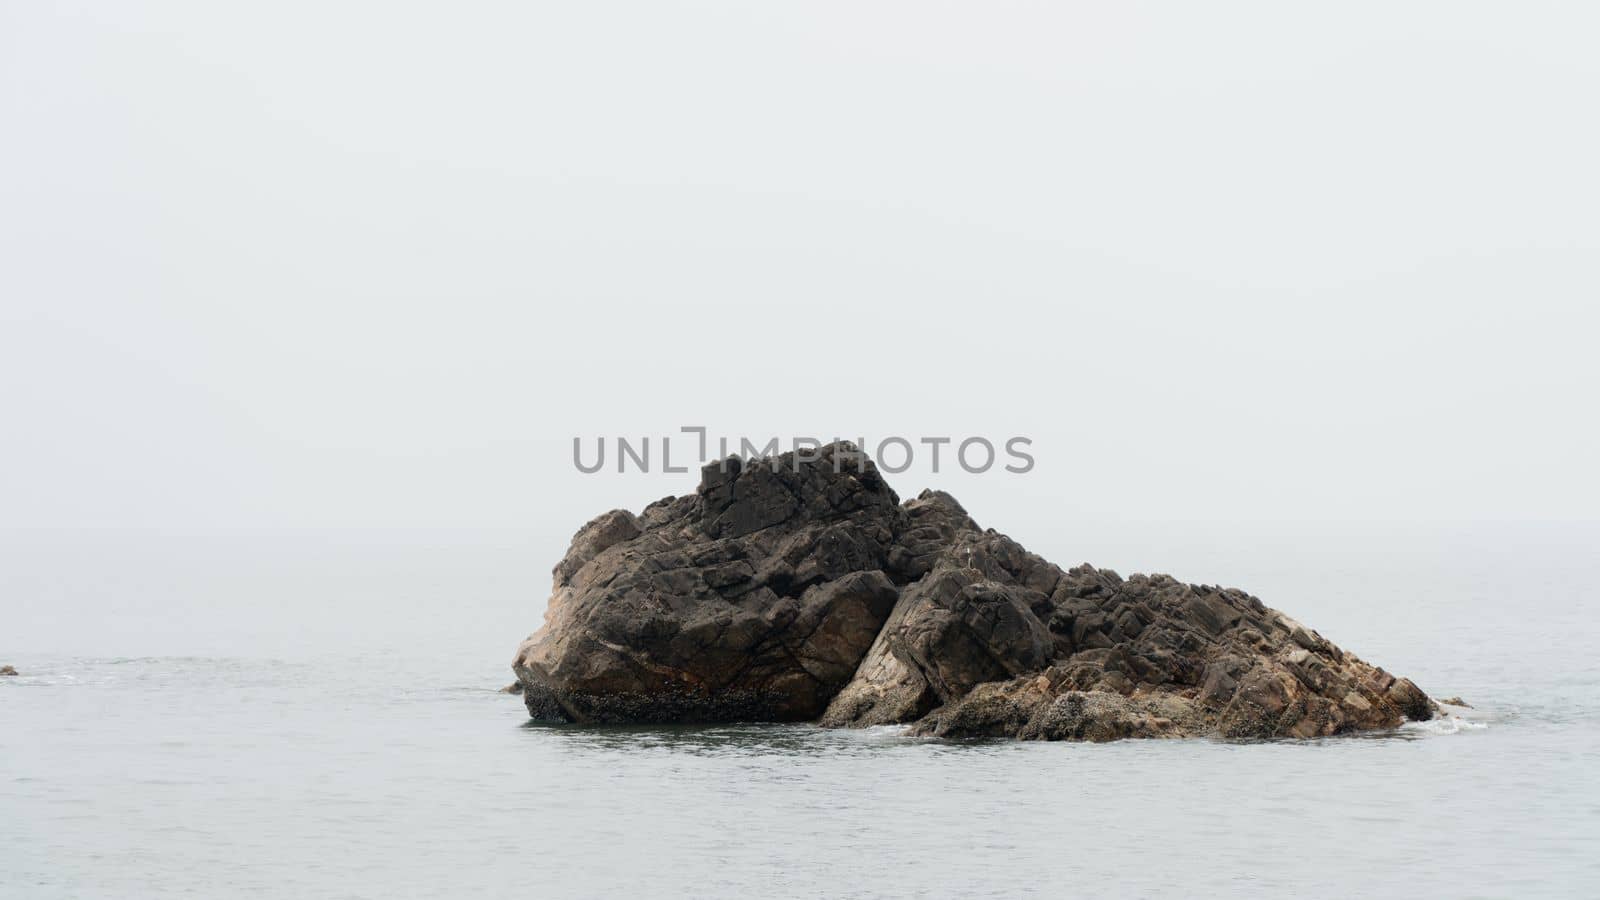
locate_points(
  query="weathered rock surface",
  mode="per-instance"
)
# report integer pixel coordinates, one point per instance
(791, 590)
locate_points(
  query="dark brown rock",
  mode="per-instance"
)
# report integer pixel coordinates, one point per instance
(755, 599)
(788, 590)
(7, 670)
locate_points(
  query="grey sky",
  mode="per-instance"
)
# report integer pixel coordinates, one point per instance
(374, 265)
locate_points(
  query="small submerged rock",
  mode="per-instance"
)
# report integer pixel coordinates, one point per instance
(1457, 701)
(791, 589)
(514, 687)
(7, 670)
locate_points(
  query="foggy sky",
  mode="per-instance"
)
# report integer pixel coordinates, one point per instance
(306, 265)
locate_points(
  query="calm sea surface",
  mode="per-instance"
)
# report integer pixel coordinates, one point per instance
(297, 717)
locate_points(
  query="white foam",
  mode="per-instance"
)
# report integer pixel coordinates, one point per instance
(1445, 724)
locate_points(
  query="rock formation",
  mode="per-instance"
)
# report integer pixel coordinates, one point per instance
(798, 589)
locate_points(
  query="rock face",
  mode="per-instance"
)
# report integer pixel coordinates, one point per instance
(794, 589)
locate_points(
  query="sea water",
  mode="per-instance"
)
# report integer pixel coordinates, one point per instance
(294, 716)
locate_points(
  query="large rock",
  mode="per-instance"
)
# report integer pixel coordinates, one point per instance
(753, 599)
(792, 589)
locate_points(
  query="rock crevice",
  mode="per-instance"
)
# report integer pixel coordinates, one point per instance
(790, 589)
